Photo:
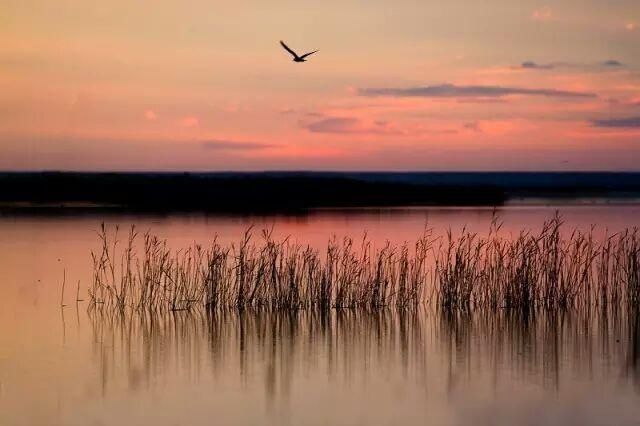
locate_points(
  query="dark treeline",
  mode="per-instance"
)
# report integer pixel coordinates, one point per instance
(230, 192)
(286, 191)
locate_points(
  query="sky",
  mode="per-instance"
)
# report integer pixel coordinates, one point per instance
(420, 85)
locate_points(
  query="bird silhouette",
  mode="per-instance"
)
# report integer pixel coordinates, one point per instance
(296, 58)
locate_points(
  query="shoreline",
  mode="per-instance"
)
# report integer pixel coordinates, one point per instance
(304, 191)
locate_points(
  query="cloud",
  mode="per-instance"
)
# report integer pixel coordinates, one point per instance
(628, 102)
(482, 101)
(349, 125)
(530, 65)
(453, 91)
(332, 125)
(150, 115)
(190, 122)
(612, 63)
(608, 64)
(618, 123)
(473, 126)
(542, 14)
(229, 145)
(631, 26)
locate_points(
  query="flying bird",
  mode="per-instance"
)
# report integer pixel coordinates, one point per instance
(296, 58)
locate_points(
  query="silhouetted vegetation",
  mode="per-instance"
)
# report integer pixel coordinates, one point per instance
(296, 191)
(254, 192)
(530, 270)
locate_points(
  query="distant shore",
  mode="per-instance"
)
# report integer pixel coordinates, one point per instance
(299, 191)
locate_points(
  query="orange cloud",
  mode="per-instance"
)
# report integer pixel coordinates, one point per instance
(150, 115)
(190, 122)
(631, 26)
(543, 14)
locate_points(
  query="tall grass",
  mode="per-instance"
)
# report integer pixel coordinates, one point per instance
(275, 274)
(542, 269)
(537, 269)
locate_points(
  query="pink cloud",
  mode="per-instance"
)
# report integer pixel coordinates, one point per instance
(542, 14)
(235, 107)
(190, 122)
(150, 115)
(631, 26)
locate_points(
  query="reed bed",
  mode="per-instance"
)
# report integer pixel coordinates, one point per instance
(461, 272)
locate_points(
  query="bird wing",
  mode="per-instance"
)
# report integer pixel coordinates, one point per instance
(288, 49)
(307, 54)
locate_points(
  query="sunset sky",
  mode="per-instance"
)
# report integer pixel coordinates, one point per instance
(397, 85)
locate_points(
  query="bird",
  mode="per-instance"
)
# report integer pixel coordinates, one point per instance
(296, 58)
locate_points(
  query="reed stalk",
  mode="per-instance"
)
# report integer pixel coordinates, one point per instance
(549, 269)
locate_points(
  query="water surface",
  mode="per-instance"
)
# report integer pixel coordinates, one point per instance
(74, 367)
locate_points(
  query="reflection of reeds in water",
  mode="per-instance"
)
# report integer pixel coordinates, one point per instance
(529, 270)
(279, 348)
(275, 345)
(540, 347)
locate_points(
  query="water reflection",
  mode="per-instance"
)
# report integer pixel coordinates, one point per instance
(633, 363)
(428, 348)
(274, 346)
(542, 347)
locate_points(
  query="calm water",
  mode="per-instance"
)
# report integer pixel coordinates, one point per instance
(70, 367)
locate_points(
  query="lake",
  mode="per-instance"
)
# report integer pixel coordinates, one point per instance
(387, 366)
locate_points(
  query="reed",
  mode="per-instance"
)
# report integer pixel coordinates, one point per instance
(64, 281)
(529, 270)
